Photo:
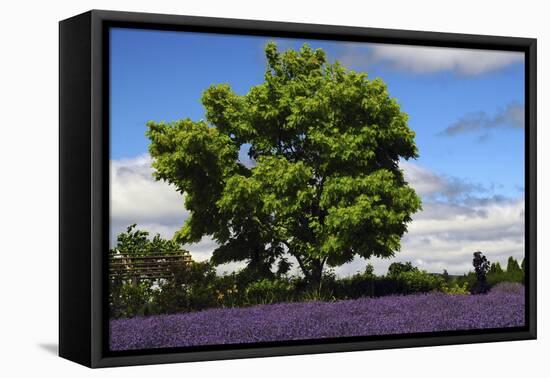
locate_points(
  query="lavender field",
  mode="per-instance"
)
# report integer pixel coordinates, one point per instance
(502, 307)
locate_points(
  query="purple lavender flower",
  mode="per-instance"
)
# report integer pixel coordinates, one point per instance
(314, 320)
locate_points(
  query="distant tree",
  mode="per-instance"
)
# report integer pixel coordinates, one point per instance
(397, 267)
(138, 243)
(513, 266)
(369, 269)
(445, 275)
(325, 185)
(495, 268)
(481, 267)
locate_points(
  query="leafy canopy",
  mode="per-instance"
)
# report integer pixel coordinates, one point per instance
(137, 242)
(396, 268)
(325, 184)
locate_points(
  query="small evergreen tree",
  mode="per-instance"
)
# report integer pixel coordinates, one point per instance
(512, 266)
(495, 268)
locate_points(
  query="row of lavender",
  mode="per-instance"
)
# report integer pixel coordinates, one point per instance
(503, 306)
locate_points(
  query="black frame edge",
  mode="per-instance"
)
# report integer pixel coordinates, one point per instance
(91, 345)
(75, 334)
(259, 352)
(100, 151)
(531, 181)
(319, 31)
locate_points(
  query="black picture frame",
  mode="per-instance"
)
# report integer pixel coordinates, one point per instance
(84, 185)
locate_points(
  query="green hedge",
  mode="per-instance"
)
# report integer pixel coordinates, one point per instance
(406, 282)
(197, 286)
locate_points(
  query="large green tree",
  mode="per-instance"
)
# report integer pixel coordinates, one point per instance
(325, 183)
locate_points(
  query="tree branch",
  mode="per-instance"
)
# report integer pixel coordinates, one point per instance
(302, 266)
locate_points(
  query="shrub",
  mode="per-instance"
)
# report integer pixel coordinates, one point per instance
(191, 289)
(496, 278)
(132, 300)
(228, 290)
(418, 281)
(455, 288)
(469, 279)
(130, 297)
(369, 285)
(356, 286)
(513, 273)
(269, 291)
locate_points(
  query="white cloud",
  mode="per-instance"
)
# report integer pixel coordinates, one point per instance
(452, 225)
(425, 60)
(155, 206)
(430, 185)
(487, 220)
(137, 198)
(449, 242)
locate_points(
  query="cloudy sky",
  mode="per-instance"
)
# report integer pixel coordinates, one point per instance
(466, 107)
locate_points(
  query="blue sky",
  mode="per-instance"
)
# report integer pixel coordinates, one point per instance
(160, 75)
(466, 107)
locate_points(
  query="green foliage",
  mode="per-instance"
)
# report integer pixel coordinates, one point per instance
(495, 269)
(131, 297)
(269, 291)
(369, 270)
(229, 290)
(495, 275)
(325, 185)
(192, 289)
(454, 288)
(468, 280)
(513, 273)
(513, 266)
(196, 286)
(407, 281)
(397, 268)
(418, 281)
(137, 242)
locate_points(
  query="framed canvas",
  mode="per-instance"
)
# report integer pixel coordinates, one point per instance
(236, 188)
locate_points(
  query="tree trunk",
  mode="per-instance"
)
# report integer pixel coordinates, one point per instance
(317, 275)
(313, 272)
